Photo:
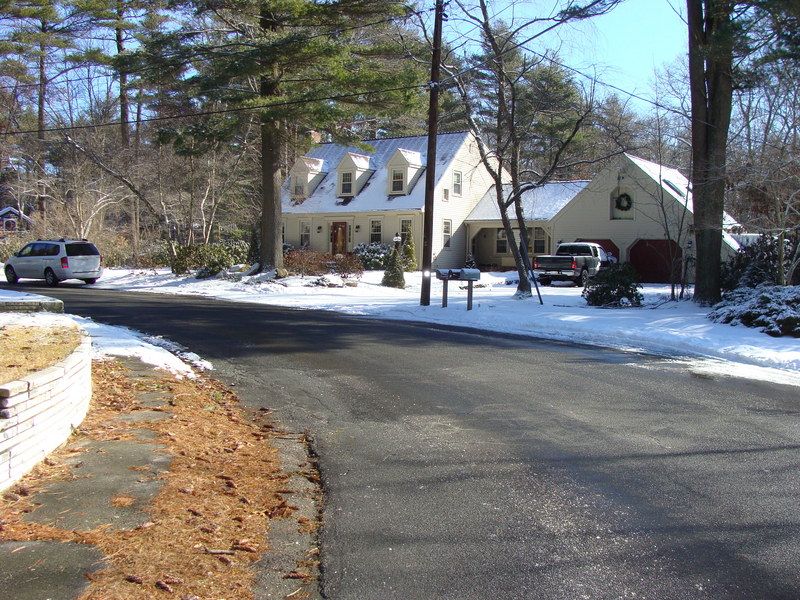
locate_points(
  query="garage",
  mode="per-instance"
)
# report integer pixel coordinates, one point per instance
(656, 260)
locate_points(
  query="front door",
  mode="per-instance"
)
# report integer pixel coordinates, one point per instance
(339, 238)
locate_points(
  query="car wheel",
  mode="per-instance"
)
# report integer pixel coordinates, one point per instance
(50, 278)
(583, 280)
(90, 281)
(11, 274)
(544, 282)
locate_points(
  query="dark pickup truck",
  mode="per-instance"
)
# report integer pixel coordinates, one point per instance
(577, 262)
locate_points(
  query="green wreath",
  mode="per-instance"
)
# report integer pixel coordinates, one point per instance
(623, 202)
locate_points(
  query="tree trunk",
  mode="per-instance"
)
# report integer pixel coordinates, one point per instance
(124, 119)
(711, 88)
(271, 254)
(272, 151)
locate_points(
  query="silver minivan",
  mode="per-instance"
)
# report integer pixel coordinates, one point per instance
(56, 260)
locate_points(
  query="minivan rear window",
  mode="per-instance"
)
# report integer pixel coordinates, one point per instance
(84, 249)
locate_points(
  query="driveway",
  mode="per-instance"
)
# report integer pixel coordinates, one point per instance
(465, 465)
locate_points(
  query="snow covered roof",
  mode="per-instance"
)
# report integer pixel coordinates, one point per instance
(373, 196)
(10, 210)
(316, 165)
(412, 157)
(679, 187)
(539, 204)
(361, 161)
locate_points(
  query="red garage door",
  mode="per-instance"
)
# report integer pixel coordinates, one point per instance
(656, 260)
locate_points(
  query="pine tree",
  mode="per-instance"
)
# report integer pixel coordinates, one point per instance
(409, 254)
(301, 66)
(393, 276)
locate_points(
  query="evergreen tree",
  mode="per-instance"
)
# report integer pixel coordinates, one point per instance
(409, 254)
(301, 66)
(393, 276)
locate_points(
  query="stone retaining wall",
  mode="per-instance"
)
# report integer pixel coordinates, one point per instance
(39, 412)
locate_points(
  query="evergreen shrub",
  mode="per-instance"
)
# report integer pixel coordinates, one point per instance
(755, 264)
(409, 254)
(210, 259)
(393, 276)
(374, 256)
(616, 286)
(774, 309)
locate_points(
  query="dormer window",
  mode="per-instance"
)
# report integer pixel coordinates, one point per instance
(298, 187)
(346, 183)
(398, 181)
(402, 171)
(305, 176)
(354, 170)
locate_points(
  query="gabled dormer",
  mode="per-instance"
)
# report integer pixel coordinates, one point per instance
(403, 170)
(305, 176)
(352, 173)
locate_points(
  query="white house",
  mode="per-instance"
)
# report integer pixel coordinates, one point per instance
(337, 196)
(485, 232)
(639, 211)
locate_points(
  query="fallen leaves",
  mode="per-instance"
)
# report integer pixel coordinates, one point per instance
(210, 520)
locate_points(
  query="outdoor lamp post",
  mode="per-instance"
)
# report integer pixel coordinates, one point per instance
(397, 239)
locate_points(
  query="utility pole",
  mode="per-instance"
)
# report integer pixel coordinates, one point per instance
(430, 169)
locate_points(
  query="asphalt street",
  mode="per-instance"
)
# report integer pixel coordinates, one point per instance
(463, 465)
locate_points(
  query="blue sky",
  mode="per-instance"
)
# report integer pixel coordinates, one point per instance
(623, 48)
(635, 39)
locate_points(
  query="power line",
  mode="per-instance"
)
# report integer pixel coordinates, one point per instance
(605, 84)
(220, 111)
(591, 78)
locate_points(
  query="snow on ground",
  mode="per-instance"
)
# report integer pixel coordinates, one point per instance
(671, 328)
(114, 341)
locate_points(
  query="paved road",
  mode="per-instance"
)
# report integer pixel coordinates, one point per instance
(466, 466)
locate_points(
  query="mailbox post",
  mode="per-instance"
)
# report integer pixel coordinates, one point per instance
(448, 275)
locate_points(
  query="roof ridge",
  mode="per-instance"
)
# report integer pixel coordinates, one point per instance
(402, 137)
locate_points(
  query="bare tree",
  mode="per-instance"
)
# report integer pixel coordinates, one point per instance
(523, 111)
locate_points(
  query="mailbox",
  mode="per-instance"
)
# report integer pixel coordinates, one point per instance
(458, 274)
(447, 275)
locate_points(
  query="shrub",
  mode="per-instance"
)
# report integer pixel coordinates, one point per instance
(409, 254)
(615, 286)
(347, 265)
(13, 242)
(210, 258)
(116, 249)
(374, 256)
(774, 309)
(393, 277)
(755, 264)
(307, 262)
